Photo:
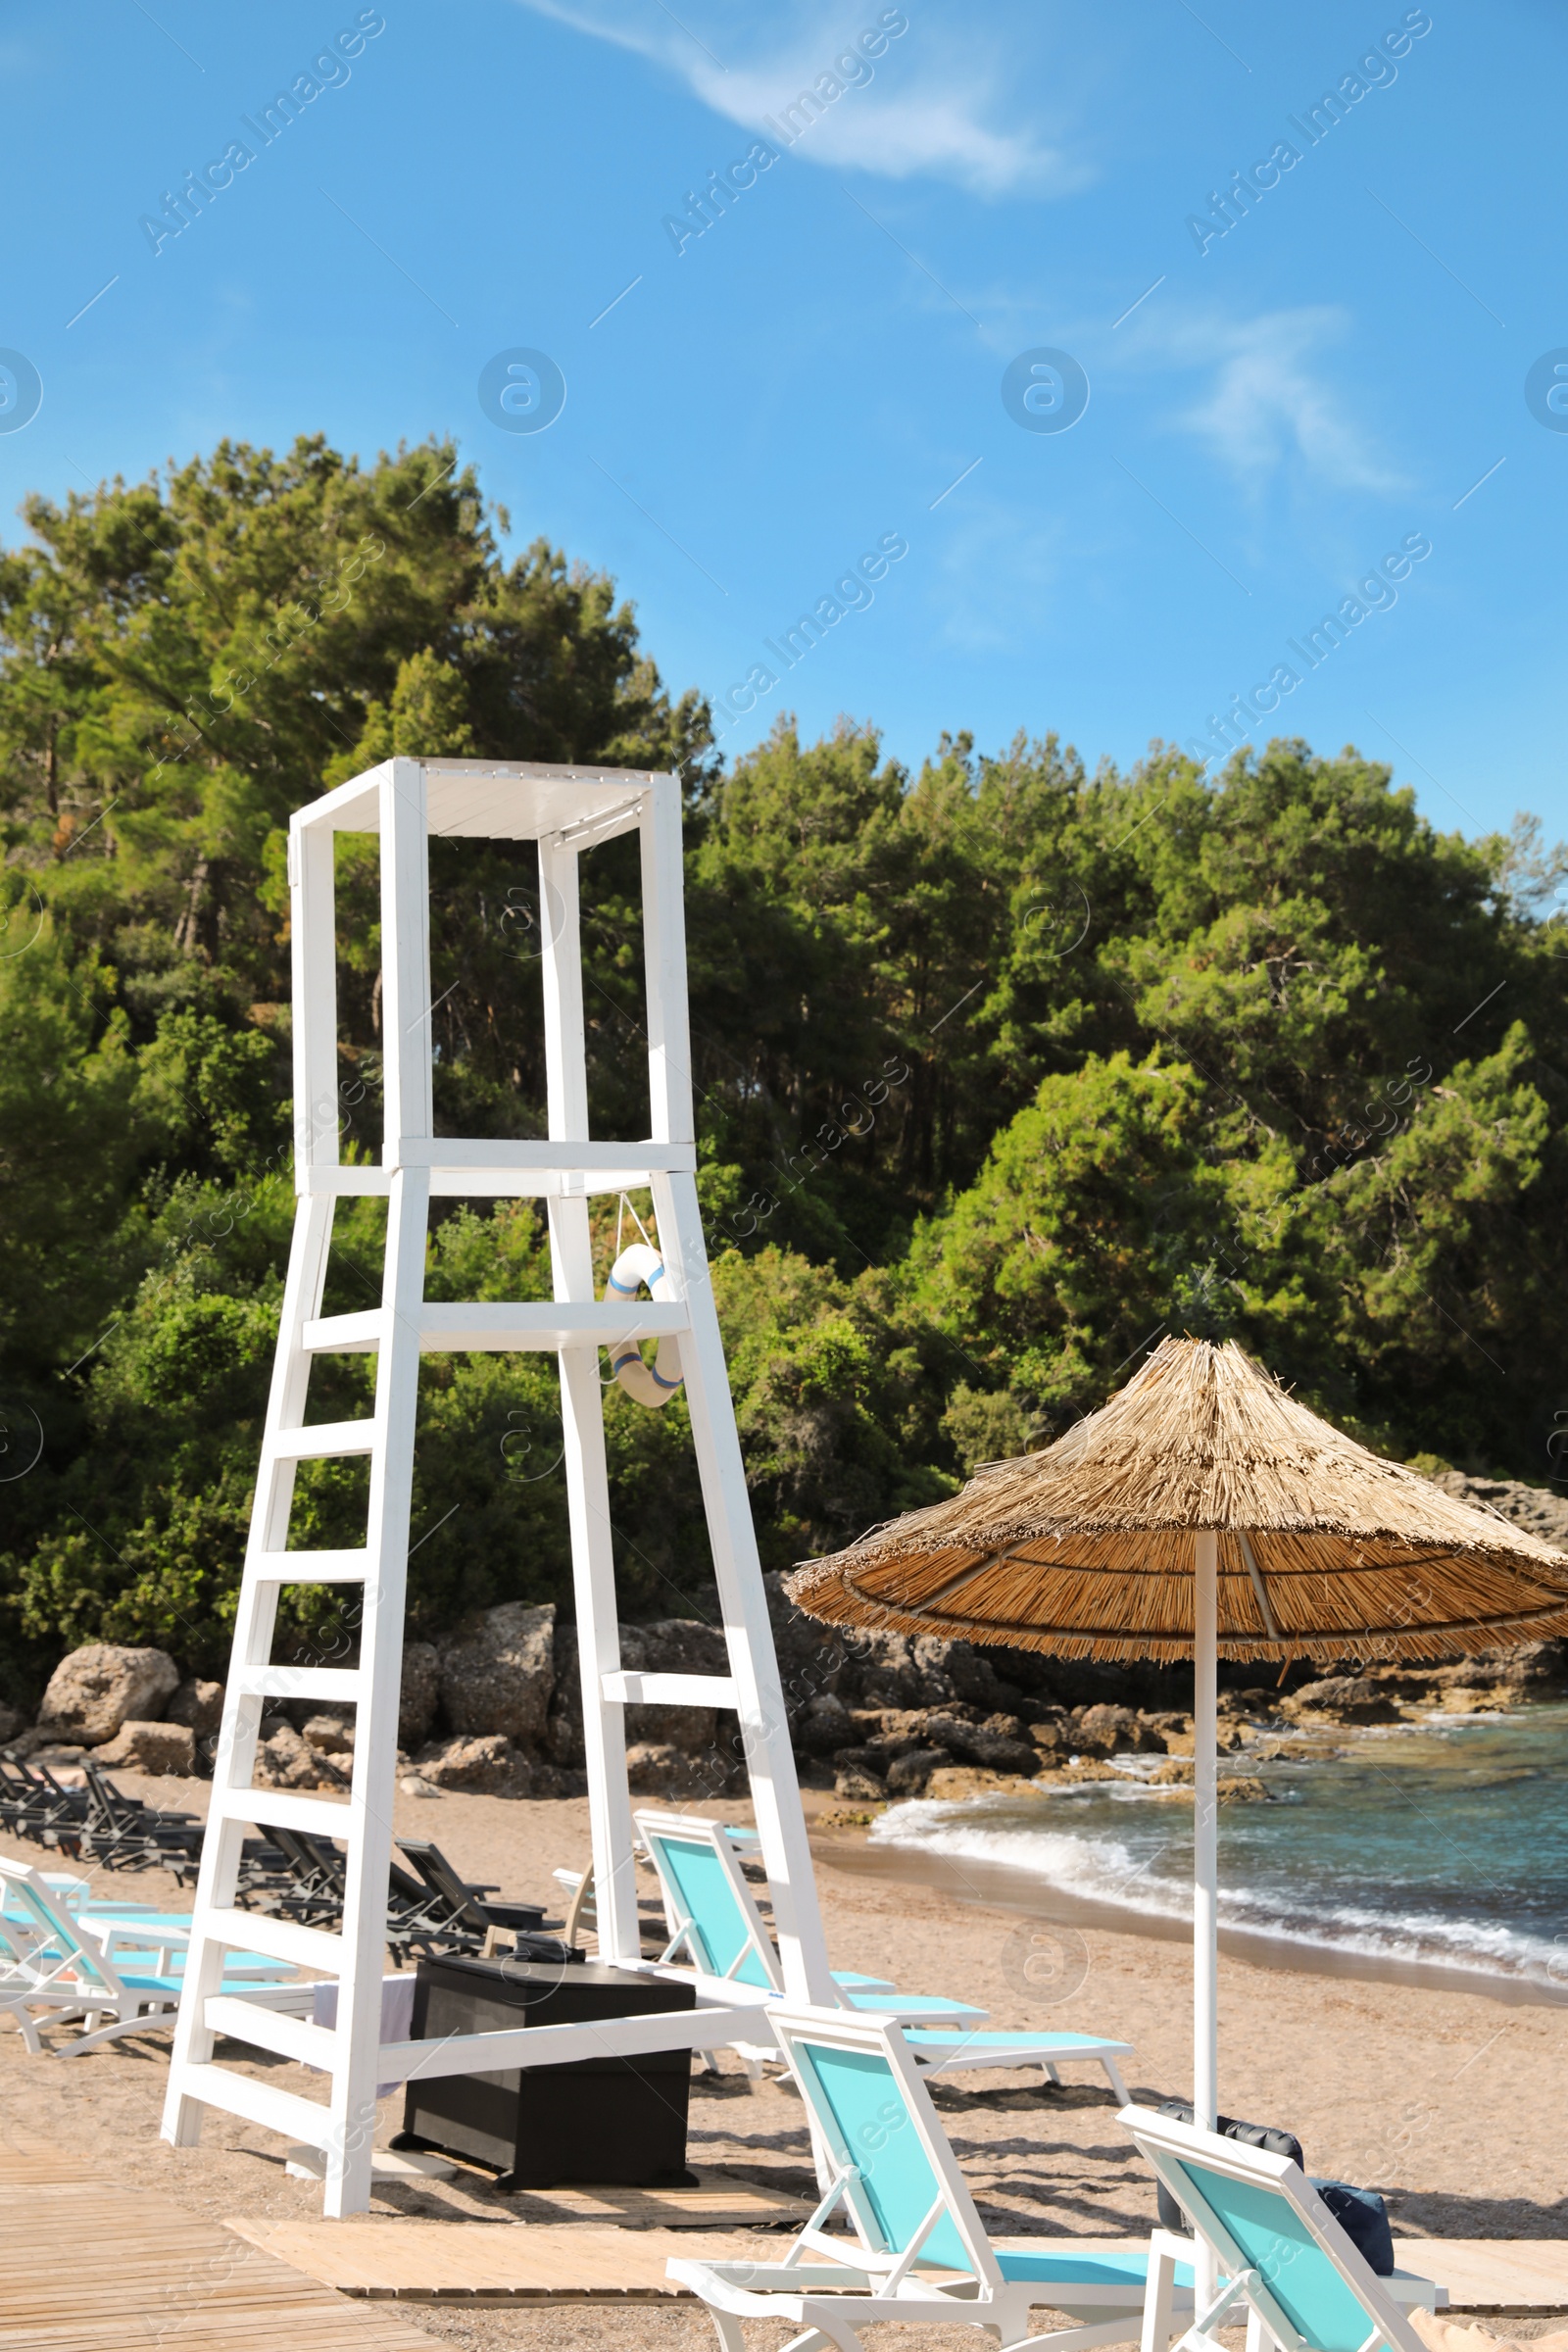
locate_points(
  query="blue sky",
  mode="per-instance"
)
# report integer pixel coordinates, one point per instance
(1272, 411)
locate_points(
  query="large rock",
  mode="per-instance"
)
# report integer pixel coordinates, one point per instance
(198, 1704)
(1472, 1699)
(891, 1730)
(1343, 1698)
(1102, 1731)
(813, 1658)
(152, 1747)
(1537, 1508)
(564, 1732)
(498, 1673)
(284, 1760)
(330, 1735)
(892, 1671)
(998, 1744)
(96, 1690)
(420, 1693)
(909, 1774)
(483, 1765)
(950, 1783)
(658, 1768)
(825, 1726)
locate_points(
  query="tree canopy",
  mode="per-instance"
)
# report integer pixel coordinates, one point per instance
(1004, 1067)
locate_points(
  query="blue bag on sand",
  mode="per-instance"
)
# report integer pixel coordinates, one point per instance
(1364, 2218)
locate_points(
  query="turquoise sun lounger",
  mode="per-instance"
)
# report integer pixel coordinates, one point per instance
(919, 2250)
(1283, 2260)
(717, 1930)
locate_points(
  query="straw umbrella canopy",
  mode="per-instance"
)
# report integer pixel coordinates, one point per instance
(1201, 1513)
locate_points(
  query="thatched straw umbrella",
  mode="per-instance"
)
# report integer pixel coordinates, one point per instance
(1201, 1513)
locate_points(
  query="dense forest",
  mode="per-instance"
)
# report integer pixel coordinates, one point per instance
(1005, 1067)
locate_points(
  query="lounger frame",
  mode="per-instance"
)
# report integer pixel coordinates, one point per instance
(1308, 2229)
(831, 2288)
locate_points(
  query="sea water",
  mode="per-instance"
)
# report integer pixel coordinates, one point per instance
(1443, 1842)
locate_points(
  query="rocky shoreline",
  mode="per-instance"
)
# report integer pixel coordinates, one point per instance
(496, 1708)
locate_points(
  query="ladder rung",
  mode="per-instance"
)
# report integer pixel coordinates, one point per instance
(309, 1567)
(283, 1809)
(459, 1153)
(272, 2029)
(353, 1183)
(261, 2103)
(299, 1682)
(670, 1689)
(276, 1938)
(504, 1327)
(325, 1438)
(481, 1184)
(343, 1335)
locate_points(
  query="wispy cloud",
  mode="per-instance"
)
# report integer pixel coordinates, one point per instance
(928, 106)
(1270, 397)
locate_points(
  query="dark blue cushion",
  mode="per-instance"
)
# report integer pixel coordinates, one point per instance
(1364, 2218)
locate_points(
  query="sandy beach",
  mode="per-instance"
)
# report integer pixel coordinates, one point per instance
(1446, 2100)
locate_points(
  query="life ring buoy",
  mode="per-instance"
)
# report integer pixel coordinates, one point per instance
(652, 1384)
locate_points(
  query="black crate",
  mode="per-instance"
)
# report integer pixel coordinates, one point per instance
(618, 2120)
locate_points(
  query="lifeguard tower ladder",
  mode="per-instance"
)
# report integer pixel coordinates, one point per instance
(567, 811)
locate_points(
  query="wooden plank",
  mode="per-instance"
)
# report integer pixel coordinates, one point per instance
(438, 2262)
(405, 1007)
(708, 2027)
(566, 1154)
(510, 1327)
(397, 1380)
(254, 1626)
(280, 1809)
(714, 2204)
(88, 2265)
(670, 1689)
(743, 1600)
(34, 2160)
(264, 2103)
(276, 1566)
(319, 1684)
(1516, 2274)
(285, 2034)
(320, 1441)
(317, 1101)
(278, 1938)
(495, 1327)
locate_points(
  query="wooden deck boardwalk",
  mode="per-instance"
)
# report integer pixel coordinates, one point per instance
(85, 2263)
(541, 2262)
(498, 2262)
(1521, 2277)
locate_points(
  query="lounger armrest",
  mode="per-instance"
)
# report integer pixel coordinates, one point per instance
(771, 2277)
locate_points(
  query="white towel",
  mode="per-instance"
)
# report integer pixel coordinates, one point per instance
(397, 2012)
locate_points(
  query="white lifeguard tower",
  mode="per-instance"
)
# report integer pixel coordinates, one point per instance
(567, 811)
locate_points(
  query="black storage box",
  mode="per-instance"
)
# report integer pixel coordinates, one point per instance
(618, 2120)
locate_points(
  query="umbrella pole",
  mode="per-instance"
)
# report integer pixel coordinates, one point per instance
(1205, 1854)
